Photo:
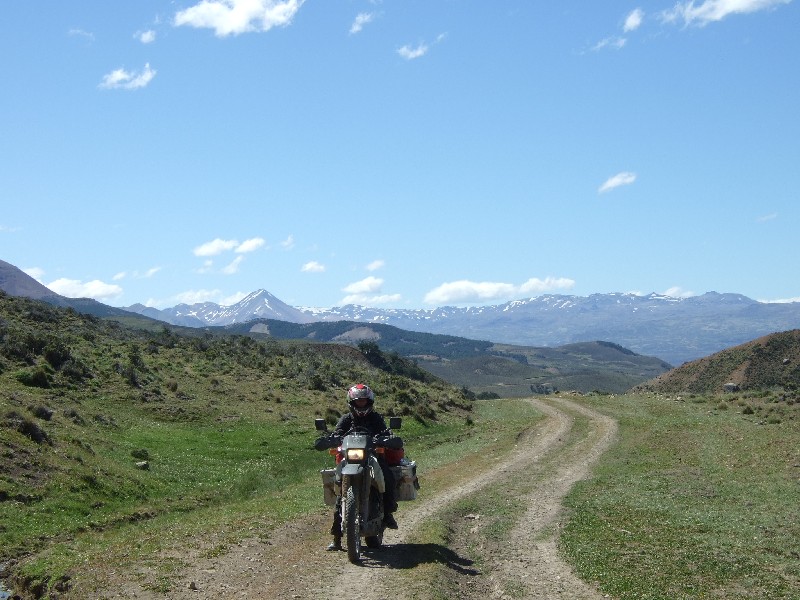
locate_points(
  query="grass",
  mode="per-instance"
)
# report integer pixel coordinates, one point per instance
(692, 502)
(498, 424)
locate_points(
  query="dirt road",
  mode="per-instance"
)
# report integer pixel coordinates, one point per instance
(547, 461)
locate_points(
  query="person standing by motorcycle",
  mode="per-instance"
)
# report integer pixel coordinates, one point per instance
(361, 402)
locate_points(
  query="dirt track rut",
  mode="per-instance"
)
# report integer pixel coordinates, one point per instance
(292, 563)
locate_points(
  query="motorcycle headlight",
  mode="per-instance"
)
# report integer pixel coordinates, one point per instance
(355, 454)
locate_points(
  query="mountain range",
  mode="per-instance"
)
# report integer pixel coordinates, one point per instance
(675, 330)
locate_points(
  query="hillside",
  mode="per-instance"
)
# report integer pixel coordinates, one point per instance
(500, 370)
(103, 426)
(769, 362)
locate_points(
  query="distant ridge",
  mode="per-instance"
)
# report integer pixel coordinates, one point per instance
(676, 330)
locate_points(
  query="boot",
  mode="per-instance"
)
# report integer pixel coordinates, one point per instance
(389, 521)
(335, 545)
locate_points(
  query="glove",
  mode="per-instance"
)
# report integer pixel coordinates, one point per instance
(322, 443)
(389, 442)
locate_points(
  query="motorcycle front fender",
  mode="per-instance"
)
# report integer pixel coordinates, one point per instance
(352, 469)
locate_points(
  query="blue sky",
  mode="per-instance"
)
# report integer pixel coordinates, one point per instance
(400, 153)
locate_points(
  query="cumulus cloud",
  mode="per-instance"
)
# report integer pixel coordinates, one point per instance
(73, 288)
(312, 267)
(411, 52)
(709, 11)
(82, 34)
(620, 179)
(233, 267)
(359, 22)
(288, 243)
(782, 300)
(368, 292)
(146, 37)
(633, 20)
(233, 17)
(214, 247)
(120, 79)
(678, 292)
(35, 272)
(218, 246)
(250, 245)
(614, 42)
(465, 291)
(375, 265)
(367, 285)
(191, 297)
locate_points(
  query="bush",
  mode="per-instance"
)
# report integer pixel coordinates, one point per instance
(35, 377)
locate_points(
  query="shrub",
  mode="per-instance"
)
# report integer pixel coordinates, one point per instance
(57, 353)
(35, 377)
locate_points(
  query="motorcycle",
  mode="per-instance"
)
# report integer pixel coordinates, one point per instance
(357, 483)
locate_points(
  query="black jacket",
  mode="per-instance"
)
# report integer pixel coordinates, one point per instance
(373, 423)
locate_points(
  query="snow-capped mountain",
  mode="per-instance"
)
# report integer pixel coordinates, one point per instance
(257, 305)
(673, 329)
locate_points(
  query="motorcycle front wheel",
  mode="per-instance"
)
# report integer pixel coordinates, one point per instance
(352, 522)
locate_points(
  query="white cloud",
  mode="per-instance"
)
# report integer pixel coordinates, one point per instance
(359, 22)
(375, 265)
(214, 247)
(633, 20)
(368, 285)
(782, 300)
(73, 288)
(250, 245)
(678, 292)
(146, 37)
(119, 276)
(614, 41)
(708, 11)
(81, 33)
(150, 272)
(765, 218)
(191, 297)
(35, 272)
(128, 80)
(206, 268)
(232, 17)
(367, 300)
(313, 267)
(367, 292)
(548, 284)
(466, 291)
(410, 53)
(624, 178)
(288, 243)
(233, 267)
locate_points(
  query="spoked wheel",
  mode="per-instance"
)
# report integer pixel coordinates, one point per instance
(352, 522)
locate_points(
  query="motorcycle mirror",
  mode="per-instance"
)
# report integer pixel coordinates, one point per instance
(395, 422)
(320, 425)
